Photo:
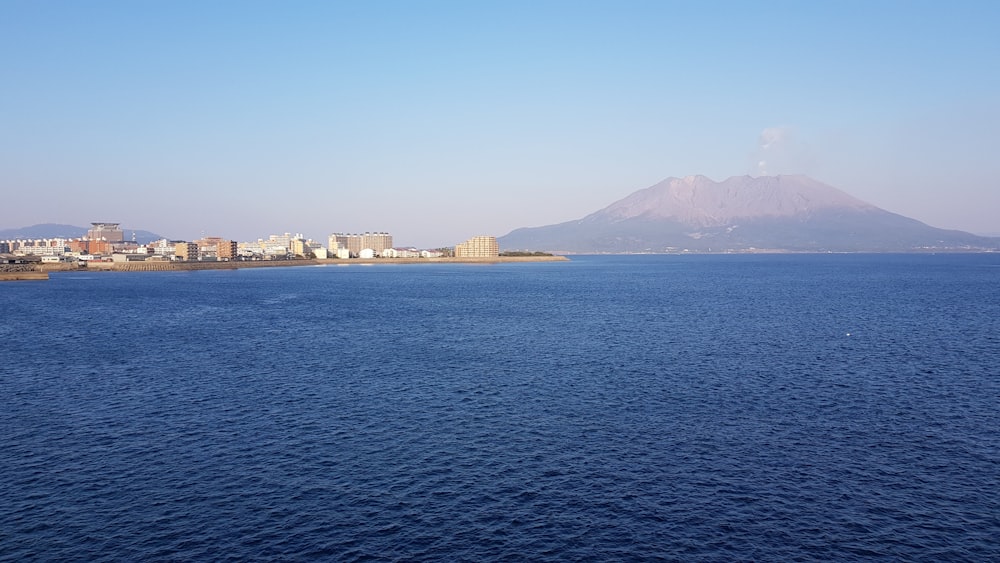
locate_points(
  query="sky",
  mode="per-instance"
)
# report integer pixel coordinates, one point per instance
(441, 120)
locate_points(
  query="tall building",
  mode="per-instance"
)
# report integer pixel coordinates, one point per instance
(478, 247)
(108, 232)
(354, 244)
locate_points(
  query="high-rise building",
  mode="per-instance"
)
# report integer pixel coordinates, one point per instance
(354, 244)
(478, 247)
(108, 232)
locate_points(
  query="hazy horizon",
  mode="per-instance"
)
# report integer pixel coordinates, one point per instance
(438, 121)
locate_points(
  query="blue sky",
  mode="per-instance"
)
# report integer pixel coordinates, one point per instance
(438, 121)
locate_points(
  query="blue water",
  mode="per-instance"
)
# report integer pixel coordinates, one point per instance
(609, 408)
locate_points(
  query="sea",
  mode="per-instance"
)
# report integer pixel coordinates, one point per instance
(610, 408)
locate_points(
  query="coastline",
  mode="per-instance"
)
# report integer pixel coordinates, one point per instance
(24, 276)
(235, 265)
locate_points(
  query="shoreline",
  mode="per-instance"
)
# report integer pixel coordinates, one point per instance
(24, 276)
(236, 265)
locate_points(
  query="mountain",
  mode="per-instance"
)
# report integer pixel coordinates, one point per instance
(52, 230)
(789, 213)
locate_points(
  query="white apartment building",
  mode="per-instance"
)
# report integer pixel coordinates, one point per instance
(478, 247)
(355, 243)
(41, 247)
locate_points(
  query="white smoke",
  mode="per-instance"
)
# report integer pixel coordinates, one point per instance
(779, 151)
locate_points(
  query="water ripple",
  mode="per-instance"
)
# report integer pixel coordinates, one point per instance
(612, 408)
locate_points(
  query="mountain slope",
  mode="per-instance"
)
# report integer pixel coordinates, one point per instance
(794, 213)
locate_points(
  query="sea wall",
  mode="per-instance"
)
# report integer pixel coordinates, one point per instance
(147, 266)
(19, 272)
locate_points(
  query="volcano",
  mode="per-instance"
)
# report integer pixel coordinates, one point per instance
(743, 213)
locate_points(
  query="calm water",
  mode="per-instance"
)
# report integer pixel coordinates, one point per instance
(610, 408)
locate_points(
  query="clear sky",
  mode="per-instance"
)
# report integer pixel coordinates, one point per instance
(438, 121)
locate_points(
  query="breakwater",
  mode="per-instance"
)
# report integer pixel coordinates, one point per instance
(19, 272)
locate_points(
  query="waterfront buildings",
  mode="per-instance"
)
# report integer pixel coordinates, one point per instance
(478, 247)
(186, 251)
(106, 242)
(355, 243)
(110, 232)
(217, 248)
(163, 247)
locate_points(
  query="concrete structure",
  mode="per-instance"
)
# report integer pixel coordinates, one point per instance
(164, 247)
(276, 246)
(39, 247)
(216, 247)
(109, 232)
(478, 247)
(306, 247)
(400, 253)
(355, 243)
(186, 251)
(101, 247)
(318, 250)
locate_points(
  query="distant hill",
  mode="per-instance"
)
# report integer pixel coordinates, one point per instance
(791, 213)
(53, 230)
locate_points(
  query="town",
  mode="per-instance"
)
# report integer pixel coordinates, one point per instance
(107, 242)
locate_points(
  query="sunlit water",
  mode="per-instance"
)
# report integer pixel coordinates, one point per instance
(608, 408)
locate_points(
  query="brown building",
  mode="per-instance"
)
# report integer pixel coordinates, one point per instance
(98, 247)
(217, 247)
(186, 251)
(109, 232)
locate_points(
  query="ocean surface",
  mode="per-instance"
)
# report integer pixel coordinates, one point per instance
(612, 408)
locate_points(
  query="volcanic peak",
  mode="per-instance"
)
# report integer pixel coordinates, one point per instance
(699, 201)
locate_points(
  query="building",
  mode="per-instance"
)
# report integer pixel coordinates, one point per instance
(317, 249)
(186, 251)
(216, 247)
(400, 253)
(101, 247)
(478, 247)
(39, 247)
(108, 232)
(164, 247)
(376, 242)
(278, 246)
